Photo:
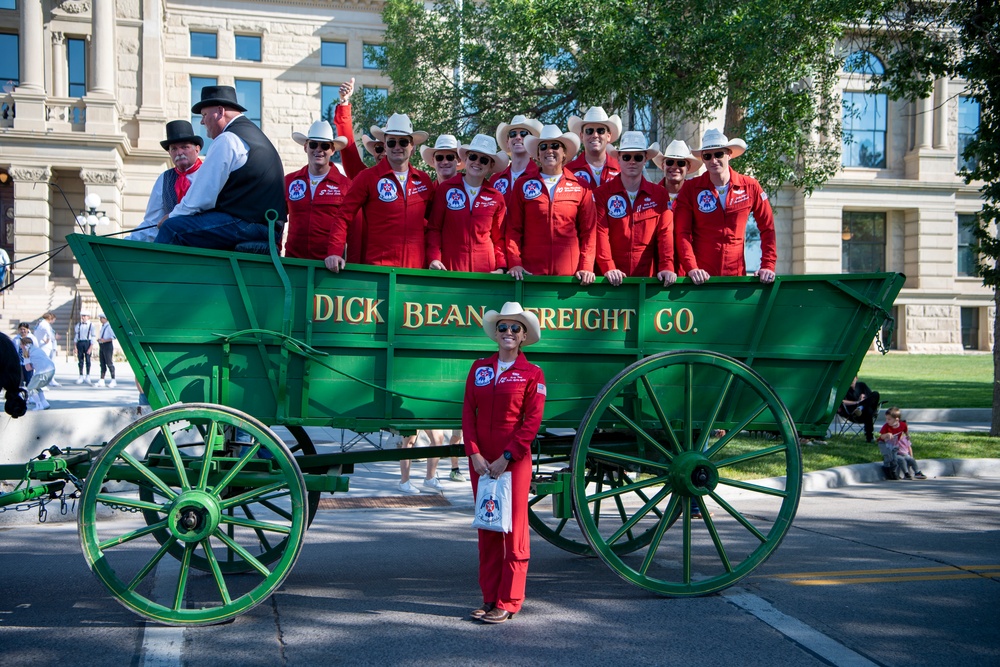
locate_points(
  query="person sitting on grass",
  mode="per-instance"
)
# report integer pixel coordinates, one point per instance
(894, 436)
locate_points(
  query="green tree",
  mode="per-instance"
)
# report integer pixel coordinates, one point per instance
(464, 67)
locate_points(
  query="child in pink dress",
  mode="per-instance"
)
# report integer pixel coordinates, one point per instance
(895, 435)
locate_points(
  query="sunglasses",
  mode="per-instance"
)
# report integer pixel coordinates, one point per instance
(378, 148)
(517, 133)
(450, 157)
(628, 157)
(514, 328)
(313, 145)
(403, 143)
(708, 156)
(679, 163)
(482, 159)
(599, 130)
(553, 146)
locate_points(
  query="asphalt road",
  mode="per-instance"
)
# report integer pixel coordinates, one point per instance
(903, 573)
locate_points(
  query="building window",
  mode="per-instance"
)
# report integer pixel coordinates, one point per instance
(204, 44)
(864, 130)
(863, 62)
(373, 53)
(8, 4)
(248, 95)
(333, 54)
(968, 128)
(375, 97)
(76, 61)
(863, 236)
(329, 96)
(970, 328)
(197, 83)
(10, 59)
(966, 257)
(248, 47)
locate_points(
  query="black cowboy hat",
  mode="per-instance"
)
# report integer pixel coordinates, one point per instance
(181, 132)
(217, 96)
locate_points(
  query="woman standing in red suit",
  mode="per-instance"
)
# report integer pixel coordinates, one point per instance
(504, 402)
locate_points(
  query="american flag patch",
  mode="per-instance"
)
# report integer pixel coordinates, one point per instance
(541, 389)
(763, 196)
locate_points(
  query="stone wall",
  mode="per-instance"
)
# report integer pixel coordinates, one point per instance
(932, 329)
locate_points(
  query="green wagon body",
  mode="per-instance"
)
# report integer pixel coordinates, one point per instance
(676, 395)
(204, 326)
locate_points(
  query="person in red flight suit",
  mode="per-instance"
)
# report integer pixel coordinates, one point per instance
(511, 136)
(314, 192)
(550, 221)
(442, 157)
(464, 231)
(597, 130)
(635, 229)
(710, 216)
(501, 415)
(394, 199)
(676, 163)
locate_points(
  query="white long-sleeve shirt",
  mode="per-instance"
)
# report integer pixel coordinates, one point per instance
(226, 154)
(155, 210)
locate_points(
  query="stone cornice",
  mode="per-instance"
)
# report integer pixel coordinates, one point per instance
(72, 6)
(102, 177)
(30, 174)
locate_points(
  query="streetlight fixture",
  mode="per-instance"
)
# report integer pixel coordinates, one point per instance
(90, 216)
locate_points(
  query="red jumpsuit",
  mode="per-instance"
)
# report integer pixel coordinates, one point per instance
(637, 239)
(464, 239)
(710, 238)
(504, 413)
(310, 216)
(551, 237)
(502, 181)
(581, 169)
(353, 165)
(393, 226)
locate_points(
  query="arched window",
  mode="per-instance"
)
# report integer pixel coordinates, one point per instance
(863, 62)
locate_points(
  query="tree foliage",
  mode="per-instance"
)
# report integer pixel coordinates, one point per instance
(463, 67)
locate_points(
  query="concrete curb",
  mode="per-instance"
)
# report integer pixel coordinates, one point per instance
(870, 473)
(947, 414)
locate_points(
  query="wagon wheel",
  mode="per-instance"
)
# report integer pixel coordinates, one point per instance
(189, 438)
(193, 502)
(671, 403)
(566, 534)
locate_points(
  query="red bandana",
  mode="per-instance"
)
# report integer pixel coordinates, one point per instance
(183, 183)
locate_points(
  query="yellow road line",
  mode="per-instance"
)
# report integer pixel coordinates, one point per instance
(878, 580)
(902, 570)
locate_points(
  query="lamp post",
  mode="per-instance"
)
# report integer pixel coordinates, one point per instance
(90, 216)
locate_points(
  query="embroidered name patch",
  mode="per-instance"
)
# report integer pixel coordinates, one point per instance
(707, 201)
(296, 190)
(484, 376)
(456, 199)
(387, 190)
(617, 208)
(532, 189)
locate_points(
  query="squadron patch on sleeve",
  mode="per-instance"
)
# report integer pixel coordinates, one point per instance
(456, 199)
(617, 208)
(707, 201)
(387, 190)
(296, 190)
(484, 376)
(532, 188)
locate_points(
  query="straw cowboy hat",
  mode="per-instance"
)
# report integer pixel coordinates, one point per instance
(445, 142)
(568, 139)
(713, 139)
(212, 96)
(678, 150)
(399, 125)
(633, 142)
(512, 311)
(518, 122)
(320, 130)
(181, 132)
(484, 145)
(369, 144)
(597, 116)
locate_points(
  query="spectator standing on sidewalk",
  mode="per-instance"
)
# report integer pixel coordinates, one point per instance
(45, 334)
(106, 353)
(24, 333)
(84, 334)
(42, 370)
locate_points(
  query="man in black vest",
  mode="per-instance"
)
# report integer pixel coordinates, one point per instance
(171, 186)
(242, 178)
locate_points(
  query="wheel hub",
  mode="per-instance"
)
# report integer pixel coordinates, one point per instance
(692, 474)
(194, 516)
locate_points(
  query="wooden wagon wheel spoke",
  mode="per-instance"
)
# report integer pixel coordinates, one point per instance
(690, 393)
(196, 526)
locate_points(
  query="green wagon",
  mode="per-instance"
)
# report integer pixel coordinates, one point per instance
(656, 396)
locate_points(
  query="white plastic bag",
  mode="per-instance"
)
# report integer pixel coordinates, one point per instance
(493, 504)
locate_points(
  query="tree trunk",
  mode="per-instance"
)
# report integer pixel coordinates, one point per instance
(995, 421)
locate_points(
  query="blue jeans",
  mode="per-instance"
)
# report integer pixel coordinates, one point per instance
(212, 229)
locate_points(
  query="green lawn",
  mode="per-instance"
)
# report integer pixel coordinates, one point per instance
(931, 380)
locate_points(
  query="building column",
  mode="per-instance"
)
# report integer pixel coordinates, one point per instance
(60, 77)
(32, 213)
(152, 116)
(925, 122)
(29, 96)
(102, 16)
(941, 113)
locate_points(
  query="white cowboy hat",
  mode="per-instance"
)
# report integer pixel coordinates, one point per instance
(518, 122)
(484, 145)
(678, 150)
(568, 139)
(445, 142)
(399, 125)
(597, 116)
(633, 142)
(369, 144)
(713, 139)
(512, 311)
(320, 130)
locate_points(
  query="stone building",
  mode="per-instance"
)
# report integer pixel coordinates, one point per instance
(87, 86)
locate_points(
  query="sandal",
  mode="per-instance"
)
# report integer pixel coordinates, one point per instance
(496, 616)
(482, 611)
